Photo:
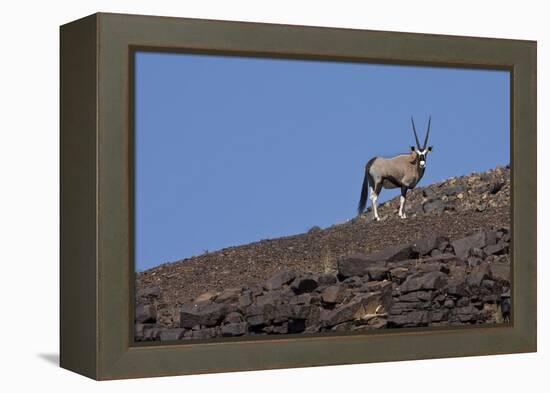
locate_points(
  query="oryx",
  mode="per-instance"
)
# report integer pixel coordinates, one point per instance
(403, 171)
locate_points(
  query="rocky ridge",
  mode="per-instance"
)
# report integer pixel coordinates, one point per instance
(447, 264)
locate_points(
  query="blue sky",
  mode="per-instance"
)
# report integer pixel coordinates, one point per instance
(231, 150)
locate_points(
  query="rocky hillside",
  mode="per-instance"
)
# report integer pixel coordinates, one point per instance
(447, 264)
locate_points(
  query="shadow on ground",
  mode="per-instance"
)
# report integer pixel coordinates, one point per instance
(52, 358)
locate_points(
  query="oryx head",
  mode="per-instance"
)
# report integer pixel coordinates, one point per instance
(421, 151)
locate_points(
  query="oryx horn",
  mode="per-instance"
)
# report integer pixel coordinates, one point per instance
(415, 136)
(427, 134)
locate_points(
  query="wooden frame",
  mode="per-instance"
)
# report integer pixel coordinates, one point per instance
(96, 219)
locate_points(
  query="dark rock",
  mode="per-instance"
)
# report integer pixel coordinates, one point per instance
(435, 252)
(234, 329)
(488, 284)
(296, 326)
(304, 298)
(327, 279)
(434, 267)
(353, 282)
(234, 317)
(418, 296)
(477, 253)
(278, 280)
(481, 207)
(204, 334)
(300, 311)
(139, 328)
(452, 190)
(428, 281)
(428, 192)
(395, 253)
(314, 229)
(500, 271)
(490, 298)
(356, 265)
(171, 334)
(399, 274)
(245, 299)
(272, 298)
(477, 275)
(152, 333)
(497, 249)
(463, 246)
(334, 294)
(439, 315)
(426, 245)
(207, 314)
(474, 261)
(230, 295)
(304, 284)
(377, 286)
(145, 313)
(491, 238)
(355, 309)
(378, 273)
(414, 318)
(148, 292)
(467, 313)
(496, 187)
(434, 207)
(205, 297)
(280, 329)
(449, 303)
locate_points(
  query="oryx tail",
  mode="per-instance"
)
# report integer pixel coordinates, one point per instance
(367, 181)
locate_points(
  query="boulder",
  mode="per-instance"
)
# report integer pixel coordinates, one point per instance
(206, 313)
(463, 246)
(377, 286)
(477, 275)
(230, 295)
(273, 298)
(304, 284)
(171, 334)
(245, 299)
(500, 271)
(496, 249)
(148, 292)
(424, 281)
(410, 319)
(327, 279)
(370, 303)
(204, 334)
(205, 297)
(399, 252)
(234, 329)
(417, 296)
(145, 313)
(139, 328)
(333, 294)
(234, 317)
(357, 265)
(279, 279)
(426, 245)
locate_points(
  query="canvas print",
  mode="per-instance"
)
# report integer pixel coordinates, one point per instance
(290, 196)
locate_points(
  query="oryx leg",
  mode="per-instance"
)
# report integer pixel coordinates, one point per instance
(402, 201)
(374, 192)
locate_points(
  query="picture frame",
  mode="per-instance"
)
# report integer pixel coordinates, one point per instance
(96, 258)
